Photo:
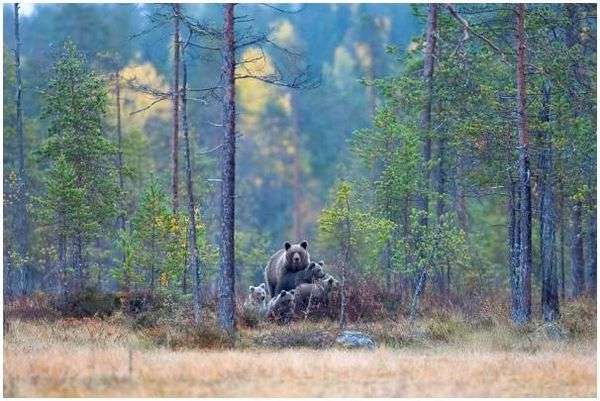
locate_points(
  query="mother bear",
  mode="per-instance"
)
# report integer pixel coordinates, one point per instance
(281, 270)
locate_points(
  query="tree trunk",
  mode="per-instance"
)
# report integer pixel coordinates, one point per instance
(121, 219)
(345, 262)
(577, 262)
(22, 223)
(226, 308)
(550, 305)
(562, 246)
(524, 295)
(298, 209)
(194, 258)
(176, 94)
(443, 271)
(425, 121)
(154, 259)
(461, 200)
(78, 261)
(425, 125)
(514, 240)
(591, 249)
(441, 178)
(62, 267)
(414, 306)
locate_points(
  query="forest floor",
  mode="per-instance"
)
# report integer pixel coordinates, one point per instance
(93, 357)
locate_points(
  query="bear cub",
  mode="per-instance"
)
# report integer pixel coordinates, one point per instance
(281, 308)
(255, 306)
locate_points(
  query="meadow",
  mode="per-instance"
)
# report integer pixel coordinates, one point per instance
(439, 356)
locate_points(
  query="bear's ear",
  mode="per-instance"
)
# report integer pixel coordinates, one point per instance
(322, 263)
(293, 292)
(304, 244)
(251, 288)
(287, 246)
(262, 285)
(312, 265)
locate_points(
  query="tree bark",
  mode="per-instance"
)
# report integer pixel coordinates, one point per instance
(562, 246)
(345, 262)
(194, 257)
(591, 249)
(298, 210)
(441, 178)
(577, 261)
(514, 240)
(22, 221)
(550, 304)
(226, 307)
(443, 273)
(461, 201)
(524, 295)
(425, 119)
(176, 94)
(425, 125)
(121, 219)
(78, 263)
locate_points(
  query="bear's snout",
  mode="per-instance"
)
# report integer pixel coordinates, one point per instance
(296, 258)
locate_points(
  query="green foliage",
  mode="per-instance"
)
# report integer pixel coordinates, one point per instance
(345, 225)
(437, 246)
(391, 151)
(81, 181)
(251, 256)
(156, 250)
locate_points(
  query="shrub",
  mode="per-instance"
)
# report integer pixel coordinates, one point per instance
(187, 336)
(87, 303)
(444, 327)
(38, 306)
(578, 317)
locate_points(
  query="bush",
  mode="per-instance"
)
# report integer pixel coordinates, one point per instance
(87, 303)
(145, 308)
(364, 301)
(578, 317)
(187, 336)
(135, 302)
(445, 327)
(37, 306)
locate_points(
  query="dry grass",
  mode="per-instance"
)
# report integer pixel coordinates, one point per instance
(91, 358)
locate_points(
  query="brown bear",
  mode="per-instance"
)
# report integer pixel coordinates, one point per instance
(315, 294)
(255, 307)
(282, 266)
(313, 273)
(281, 308)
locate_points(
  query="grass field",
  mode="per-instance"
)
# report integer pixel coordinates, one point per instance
(90, 357)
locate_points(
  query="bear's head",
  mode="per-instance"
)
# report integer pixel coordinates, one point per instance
(286, 297)
(297, 256)
(258, 294)
(330, 283)
(315, 271)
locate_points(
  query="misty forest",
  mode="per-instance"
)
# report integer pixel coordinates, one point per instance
(318, 182)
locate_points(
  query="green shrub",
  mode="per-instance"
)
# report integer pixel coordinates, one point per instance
(578, 317)
(87, 303)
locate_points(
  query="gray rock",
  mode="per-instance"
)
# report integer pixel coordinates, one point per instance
(355, 339)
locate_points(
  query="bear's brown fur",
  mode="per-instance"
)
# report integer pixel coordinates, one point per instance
(313, 273)
(280, 272)
(315, 294)
(281, 308)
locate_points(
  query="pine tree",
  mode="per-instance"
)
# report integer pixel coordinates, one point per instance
(81, 189)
